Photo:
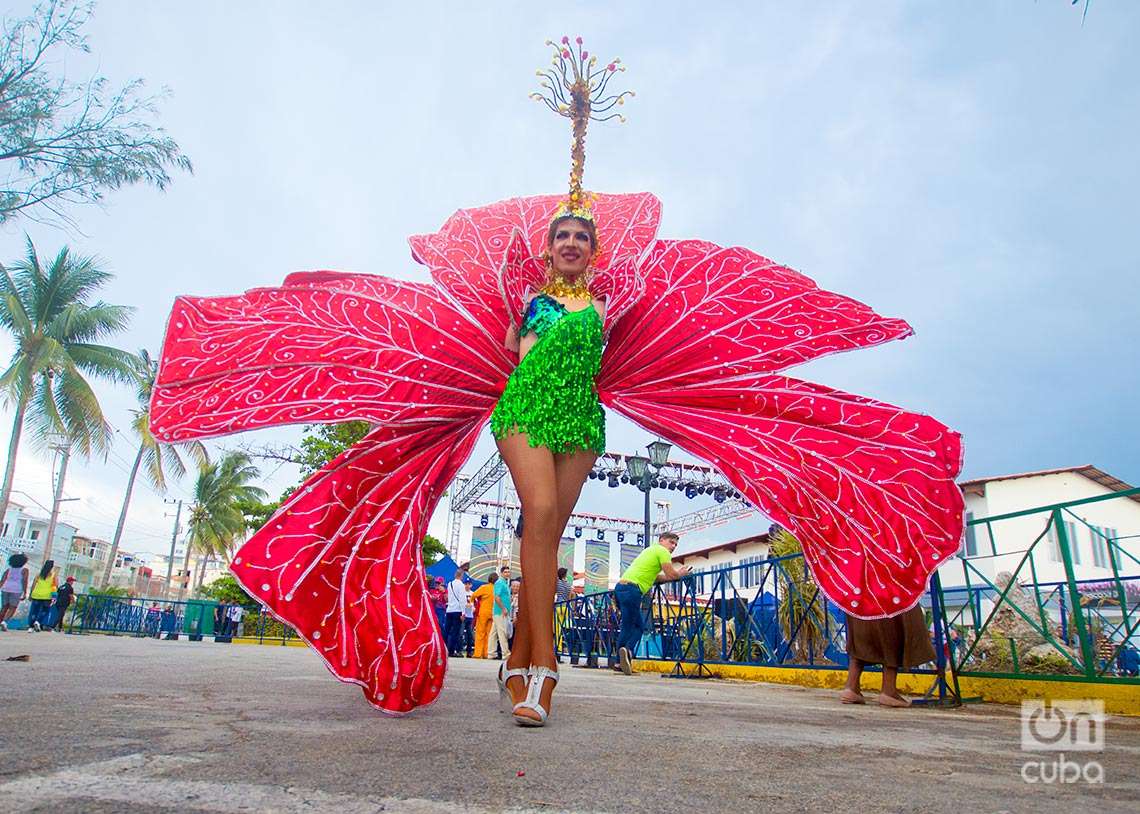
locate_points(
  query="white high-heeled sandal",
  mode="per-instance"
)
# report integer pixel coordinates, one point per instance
(538, 676)
(506, 674)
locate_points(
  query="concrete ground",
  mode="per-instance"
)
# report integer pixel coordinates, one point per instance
(97, 724)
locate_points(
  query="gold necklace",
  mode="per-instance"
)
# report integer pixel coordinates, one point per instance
(557, 286)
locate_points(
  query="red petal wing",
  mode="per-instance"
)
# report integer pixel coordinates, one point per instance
(714, 315)
(324, 348)
(341, 561)
(868, 488)
(467, 254)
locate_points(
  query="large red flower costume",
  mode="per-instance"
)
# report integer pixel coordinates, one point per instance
(696, 336)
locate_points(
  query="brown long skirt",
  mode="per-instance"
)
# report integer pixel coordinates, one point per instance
(901, 641)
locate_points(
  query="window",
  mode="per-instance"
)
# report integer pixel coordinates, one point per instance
(34, 535)
(1099, 546)
(750, 571)
(971, 537)
(1113, 552)
(1074, 546)
(1070, 536)
(1054, 541)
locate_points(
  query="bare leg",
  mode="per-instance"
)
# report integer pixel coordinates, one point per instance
(533, 474)
(851, 693)
(571, 470)
(890, 697)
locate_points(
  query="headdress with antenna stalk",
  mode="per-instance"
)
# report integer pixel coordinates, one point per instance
(575, 87)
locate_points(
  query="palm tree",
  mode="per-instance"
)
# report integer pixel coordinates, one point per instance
(56, 330)
(216, 520)
(157, 457)
(801, 609)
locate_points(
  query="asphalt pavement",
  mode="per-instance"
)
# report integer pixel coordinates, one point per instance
(112, 724)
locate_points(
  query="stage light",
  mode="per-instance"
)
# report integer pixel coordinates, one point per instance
(625, 478)
(621, 536)
(577, 531)
(719, 496)
(641, 539)
(601, 535)
(613, 482)
(483, 520)
(690, 492)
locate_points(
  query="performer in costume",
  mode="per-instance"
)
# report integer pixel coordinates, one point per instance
(691, 338)
(550, 429)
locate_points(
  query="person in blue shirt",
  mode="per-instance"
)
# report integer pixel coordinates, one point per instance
(501, 614)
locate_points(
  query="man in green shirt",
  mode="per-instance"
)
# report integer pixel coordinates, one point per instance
(654, 564)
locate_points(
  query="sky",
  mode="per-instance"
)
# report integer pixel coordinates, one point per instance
(969, 167)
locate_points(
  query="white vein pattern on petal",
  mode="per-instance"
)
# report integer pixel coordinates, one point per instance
(773, 499)
(742, 286)
(420, 489)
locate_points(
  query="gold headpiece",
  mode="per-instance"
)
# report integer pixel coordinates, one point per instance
(576, 88)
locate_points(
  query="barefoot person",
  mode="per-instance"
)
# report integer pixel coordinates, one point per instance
(694, 336)
(898, 643)
(654, 564)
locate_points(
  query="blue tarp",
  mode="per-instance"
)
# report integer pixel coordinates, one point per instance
(446, 567)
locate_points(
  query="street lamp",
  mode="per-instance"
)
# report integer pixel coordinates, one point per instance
(642, 472)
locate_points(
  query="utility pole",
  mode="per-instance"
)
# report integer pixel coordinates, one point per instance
(62, 445)
(173, 542)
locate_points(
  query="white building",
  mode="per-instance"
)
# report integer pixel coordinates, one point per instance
(993, 548)
(999, 546)
(26, 533)
(749, 551)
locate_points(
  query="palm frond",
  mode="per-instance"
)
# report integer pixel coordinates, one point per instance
(79, 322)
(82, 415)
(145, 371)
(15, 382)
(69, 279)
(43, 417)
(153, 466)
(14, 315)
(100, 360)
(56, 328)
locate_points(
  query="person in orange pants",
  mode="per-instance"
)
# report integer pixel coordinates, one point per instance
(484, 601)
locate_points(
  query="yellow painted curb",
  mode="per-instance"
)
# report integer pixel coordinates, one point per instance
(268, 642)
(1119, 699)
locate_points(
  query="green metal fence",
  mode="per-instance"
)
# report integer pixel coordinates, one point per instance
(1051, 592)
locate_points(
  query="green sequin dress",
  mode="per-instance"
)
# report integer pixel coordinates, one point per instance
(550, 396)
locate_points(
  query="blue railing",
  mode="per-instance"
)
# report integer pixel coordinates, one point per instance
(759, 613)
(193, 619)
(768, 614)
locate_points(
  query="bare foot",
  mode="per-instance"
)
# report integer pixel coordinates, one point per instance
(852, 697)
(892, 701)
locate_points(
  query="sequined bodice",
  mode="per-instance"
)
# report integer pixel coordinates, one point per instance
(550, 396)
(544, 312)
